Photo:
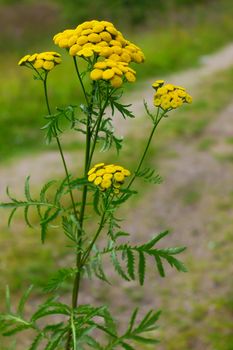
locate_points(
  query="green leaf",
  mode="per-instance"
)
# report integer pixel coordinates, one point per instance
(149, 175)
(159, 266)
(27, 190)
(11, 216)
(141, 268)
(36, 342)
(16, 329)
(44, 190)
(26, 209)
(46, 220)
(50, 308)
(23, 300)
(55, 341)
(174, 251)
(144, 340)
(97, 267)
(127, 346)
(118, 267)
(110, 323)
(176, 263)
(130, 263)
(148, 322)
(93, 343)
(61, 276)
(132, 320)
(154, 240)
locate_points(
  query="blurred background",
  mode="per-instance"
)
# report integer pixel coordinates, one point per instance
(187, 42)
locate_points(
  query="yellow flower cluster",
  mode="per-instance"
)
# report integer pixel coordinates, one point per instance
(113, 71)
(101, 38)
(108, 176)
(44, 60)
(169, 96)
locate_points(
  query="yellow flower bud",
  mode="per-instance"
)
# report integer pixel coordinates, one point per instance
(106, 36)
(48, 65)
(94, 38)
(108, 74)
(96, 74)
(38, 64)
(130, 77)
(116, 81)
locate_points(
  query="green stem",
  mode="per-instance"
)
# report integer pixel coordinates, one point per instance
(97, 126)
(60, 149)
(101, 226)
(80, 79)
(77, 280)
(89, 248)
(156, 122)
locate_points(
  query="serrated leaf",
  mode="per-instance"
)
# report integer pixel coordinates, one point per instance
(132, 320)
(127, 346)
(174, 251)
(45, 189)
(118, 267)
(51, 308)
(110, 323)
(93, 343)
(11, 216)
(177, 263)
(130, 263)
(36, 342)
(15, 330)
(46, 220)
(148, 322)
(144, 340)
(26, 209)
(23, 300)
(27, 190)
(61, 276)
(154, 240)
(159, 265)
(141, 268)
(55, 341)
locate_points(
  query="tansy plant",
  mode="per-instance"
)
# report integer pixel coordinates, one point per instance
(102, 59)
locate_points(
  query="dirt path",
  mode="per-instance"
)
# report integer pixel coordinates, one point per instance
(41, 166)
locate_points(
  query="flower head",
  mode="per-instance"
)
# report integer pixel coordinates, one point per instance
(115, 72)
(108, 176)
(44, 60)
(169, 96)
(100, 38)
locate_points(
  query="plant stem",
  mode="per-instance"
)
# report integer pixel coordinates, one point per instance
(60, 149)
(80, 79)
(156, 122)
(100, 116)
(77, 280)
(89, 248)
